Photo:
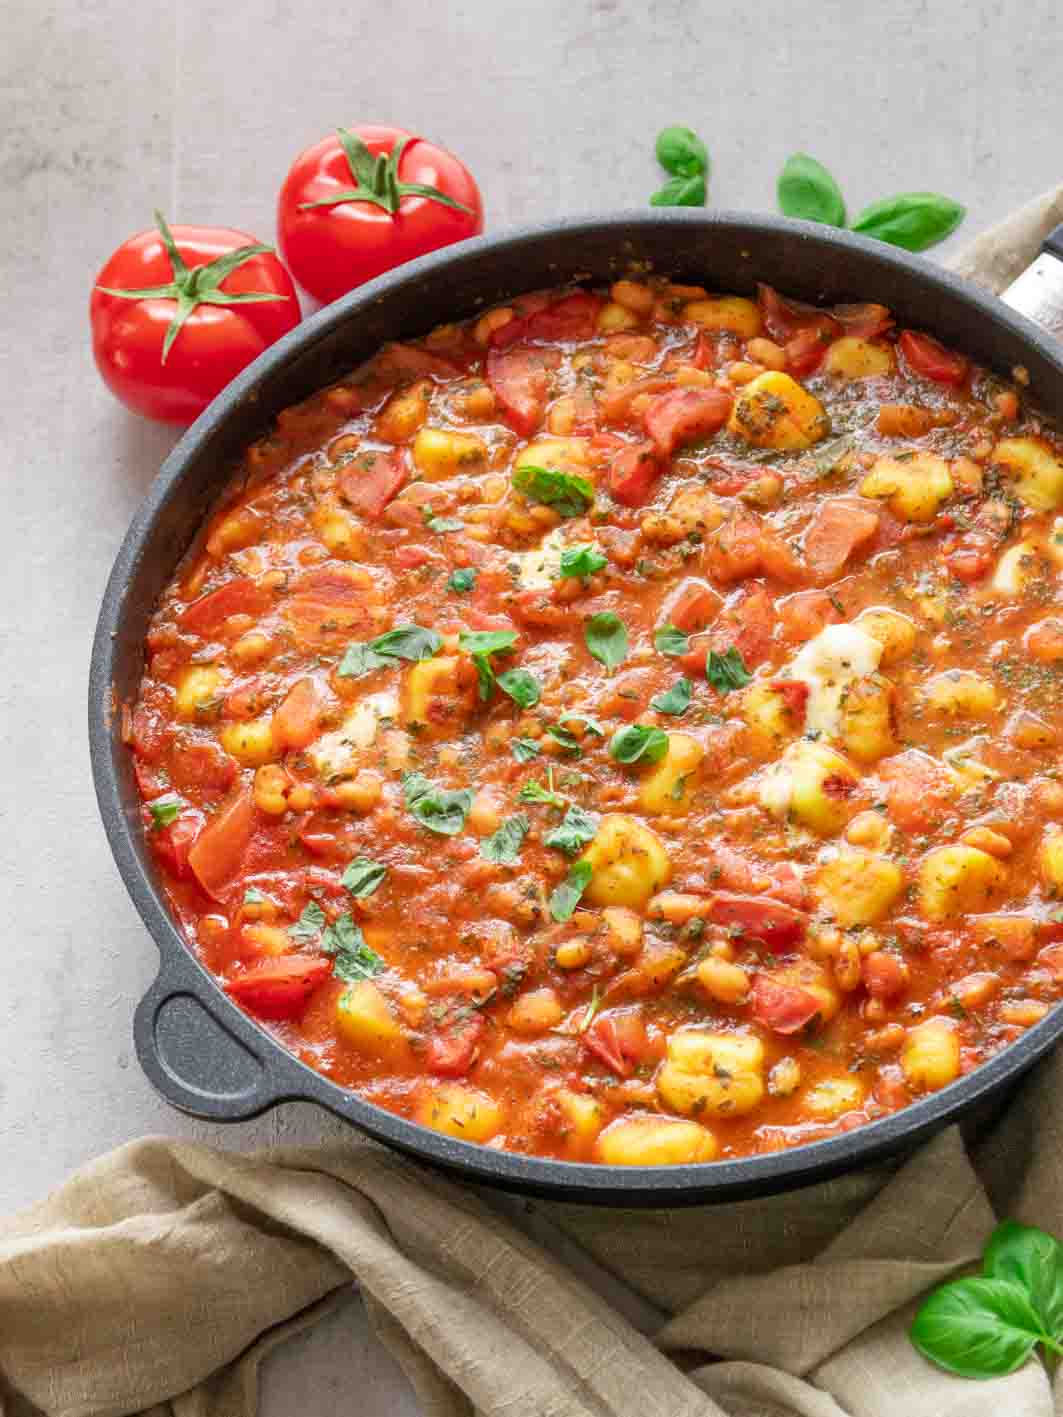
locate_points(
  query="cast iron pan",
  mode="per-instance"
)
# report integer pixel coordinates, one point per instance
(199, 1050)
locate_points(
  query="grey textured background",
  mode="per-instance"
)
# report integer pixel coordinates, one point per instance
(111, 107)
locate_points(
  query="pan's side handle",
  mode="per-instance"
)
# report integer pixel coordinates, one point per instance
(192, 1057)
(1038, 292)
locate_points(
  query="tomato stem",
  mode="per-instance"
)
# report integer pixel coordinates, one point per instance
(198, 286)
(377, 179)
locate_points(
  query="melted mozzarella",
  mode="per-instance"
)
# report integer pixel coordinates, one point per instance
(828, 664)
(334, 754)
(540, 567)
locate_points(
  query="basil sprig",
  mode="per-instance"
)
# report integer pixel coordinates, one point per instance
(674, 700)
(403, 642)
(363, 876)
(988, 1325)
(353, 959)
(636, 742)
(727, 671)
(480, 645)
(913, 220)
(568, 494)
(605, 635)
(504, 844)
(576, 828)
(566, 896)
(682, 154)
(441, 810)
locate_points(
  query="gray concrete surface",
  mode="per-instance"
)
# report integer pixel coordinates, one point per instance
(111, 107)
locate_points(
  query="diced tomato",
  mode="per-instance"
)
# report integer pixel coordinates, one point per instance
(238, 597)
(329, 608)
(783, 319)
(747, 623)
(218, 852)
(148, 733)
(615, 406)
(618, 1039)
(1052, 959)
(297, 722)
(839, 527)
(733, 553)
(778, 558)
(693, 606)
(632, 474)
(969, 557)
(539, 610)
(152, 782)
(173, 844)
(803, 615)
(794, 694)
(863, 321)
(408, 558)
(279, 988)
(928, 357)
(885, 975)
(728, 479)
(805, 351)
(574, 317)
(405, 362)
(520, 381)
(477, 619)
(201, 763)
(774, 924)
(917, 790)
(451, 1054)
(788, 885)
(684, 416)
(784, 1008)
(369, 481)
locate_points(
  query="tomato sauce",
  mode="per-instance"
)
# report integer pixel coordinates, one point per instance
(626, 726)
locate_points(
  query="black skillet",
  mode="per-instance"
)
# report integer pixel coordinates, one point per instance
(198, 1049)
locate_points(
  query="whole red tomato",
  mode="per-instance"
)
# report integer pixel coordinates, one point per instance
(176, 315)
(357, 204)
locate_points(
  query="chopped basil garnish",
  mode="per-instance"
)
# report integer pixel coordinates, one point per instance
(504, 844)
(566, 896)
(674, 700)
(463, 580)
(521, 686)
(670, 639)
(524, 749)
(569, 495)
(575, 830)
(440, 809)
(591, 725)
(545, 794)
(310, 923)
(606, 638)
(253, 896)
(637, 743)
(363, 876)
(403, 642)
(481, 645)
(566, 738)
(354, 960)
(582, 561)
(441, 524)
(727, 671)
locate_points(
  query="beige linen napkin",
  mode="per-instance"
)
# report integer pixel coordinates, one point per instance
(159, 1276)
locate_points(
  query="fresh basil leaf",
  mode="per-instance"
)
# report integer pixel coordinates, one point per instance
(411, 642)
(504, 844)
(590, 725)
(568, 740)
(606, 638)
(977, 1328)
(524, 749)
(1034, 1259)
(441, 810)
(569, 495)
(681, 192)
(674, 700)
(914, 220)
(670, 639)
(253, 896)
(575, 830)
(544, 794)
(635, 742)
(582, 561)
(681, 152)
(727, 671)
(363, 876)
(462, 580)
(481, 645)
(566, 896)
(354, 959)
(807, 190)
(521, 686)
(441, 524)
(164, 810)
(310, 923)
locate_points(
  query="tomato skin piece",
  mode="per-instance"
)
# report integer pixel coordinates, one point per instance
(214, 344)
(784, 1008)
(297, 721)
(929, 357)
(172, 844)
(779, 927)
(332, 249)
(279, 988)
(618, 1040)
(864, 320)
(805, 351)
(218, 851)
(519, 380)
(242, 596)
(632, 474)
(450, 1055)
(372, 480)
(794, 693)
(685, 415)
(784, 318)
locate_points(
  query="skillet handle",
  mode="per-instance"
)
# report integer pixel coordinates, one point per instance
(191, 1056)
(1038, 292)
